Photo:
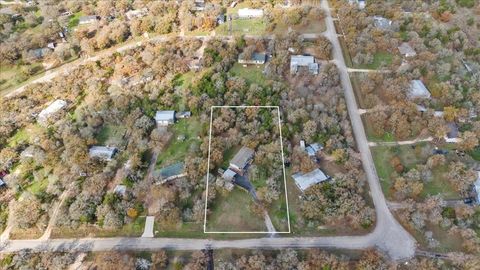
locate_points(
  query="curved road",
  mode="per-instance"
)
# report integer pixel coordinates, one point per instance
(388, 236)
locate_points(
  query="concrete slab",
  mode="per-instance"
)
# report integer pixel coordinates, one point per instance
(148, 231)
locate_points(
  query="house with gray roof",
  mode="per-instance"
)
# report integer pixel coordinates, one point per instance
(406, 50)
(169, 173)
(165, 118)
(87, 19)
(45, 115)
(102, 152)
(241, 160)
(313, 149)
(254, 59)
(297, 61)
(306, 180)
(418, 90)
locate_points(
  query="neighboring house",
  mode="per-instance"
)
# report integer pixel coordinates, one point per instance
(297, 61)
(87, 19)
(241, 160)
(45, 115)
(137, 13)
(306, 180)
(169, 173)
(418, 90)
(406, 50)
(247, 13)
(181, 115)
(102, 152)
(381, 22)
(229, 175)
(255, 58)
(165, 118)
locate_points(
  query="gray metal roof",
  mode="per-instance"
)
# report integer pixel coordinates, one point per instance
(306, 180)
(84, 19)
(103, 152)
(169, 171)
(165, 116)
(381, 22)
(301, 60)
(418, 90)
(406, 49)
(242, 157)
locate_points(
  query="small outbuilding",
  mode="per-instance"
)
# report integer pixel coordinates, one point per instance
(170, 173)
(418, 90)
(165, 118)
(253, 59)
(102, 152)
(406, 50)
(306, 180)
(381, 22)
(87, 19)
(229, 175)
(45, 115)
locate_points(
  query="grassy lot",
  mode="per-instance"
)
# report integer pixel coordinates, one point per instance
(11, 76)
(177, 149)
(251, 73)
(23, 135)
(111, 135)
(256, 26)
(378, 59)
(231, 212)
(74, 20)
(411, 157)
(134, 229)
(311, 26)
(475, 154)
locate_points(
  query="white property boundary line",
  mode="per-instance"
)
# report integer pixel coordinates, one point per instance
(208, 169)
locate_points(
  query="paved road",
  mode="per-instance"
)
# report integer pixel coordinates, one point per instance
(388, 236)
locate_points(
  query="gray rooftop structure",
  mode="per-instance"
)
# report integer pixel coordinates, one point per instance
(87, 19)
(381, 22)
(171, 172)
(406, 50)
(48, 112)
(240, 161)
(306, 180)
(297, 61)
(165, 118)
(102, 152)
(255, 58)
(313, 149)
(418, 90)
